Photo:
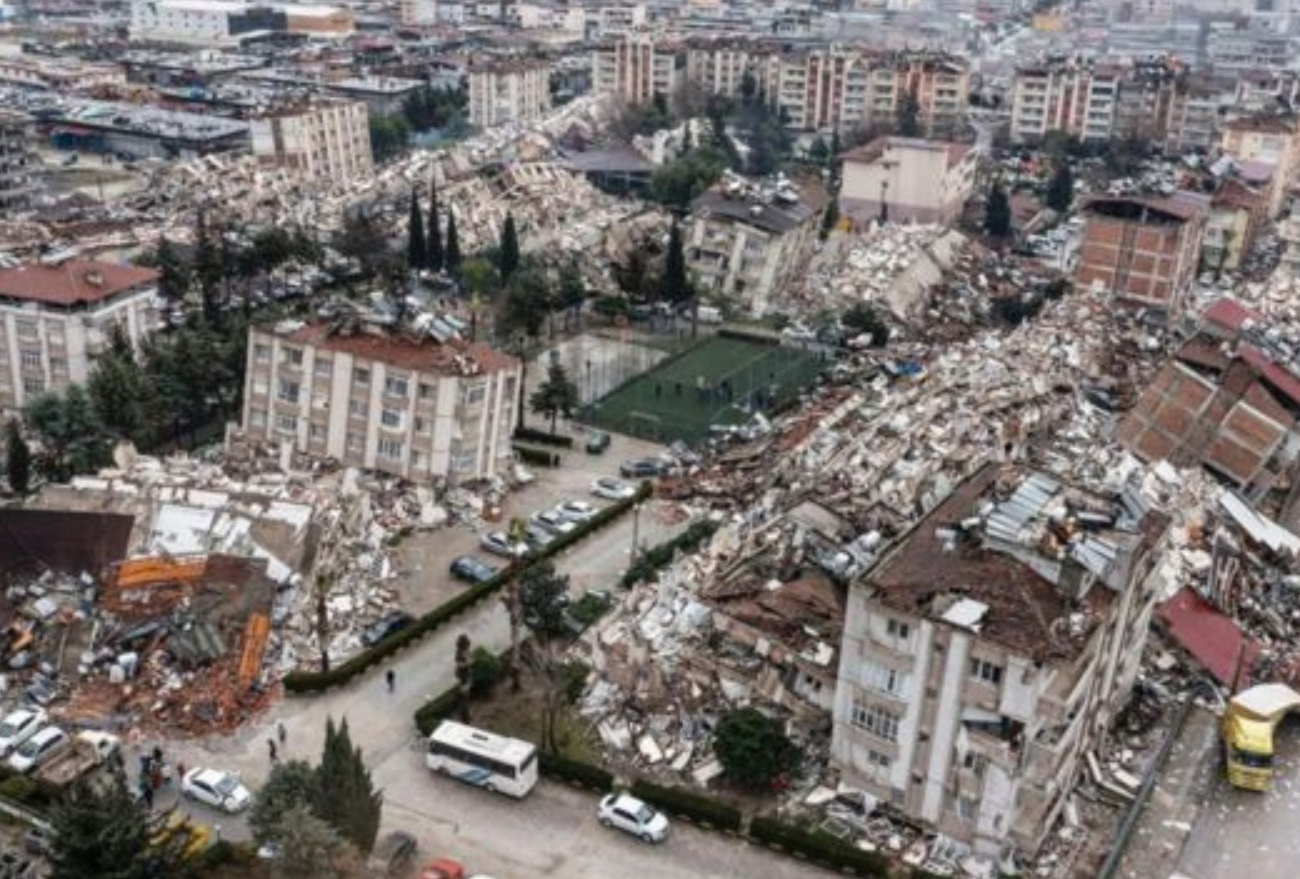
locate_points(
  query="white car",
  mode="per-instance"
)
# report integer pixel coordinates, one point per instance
(612, 489)
(498, 543)
(18, 727)
(38, 749)
(630, 815)
(221, 790)
(553, 521)
(576, 511)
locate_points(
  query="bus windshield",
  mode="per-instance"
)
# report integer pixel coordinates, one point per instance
(1252, 759)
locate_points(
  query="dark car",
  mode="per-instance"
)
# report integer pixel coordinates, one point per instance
(640, 468)
(474, 570)
(597, 442)
(393, 855)
(387, 625)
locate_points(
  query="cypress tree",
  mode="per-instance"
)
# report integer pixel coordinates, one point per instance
(433, 252)
(509, 256)
(451, 256)
(345, 797)
(18, 459)
(673, 285)
(415, 257)
(997, 212)
(1060, 191)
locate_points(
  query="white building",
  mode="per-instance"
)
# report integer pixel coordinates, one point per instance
(636, 67)
(418, 13)
(990, 650)
(508, 90)
(323, 139)
(918, 181)
(420, 409)
(223, 22)
(62, 75)
(56, 318)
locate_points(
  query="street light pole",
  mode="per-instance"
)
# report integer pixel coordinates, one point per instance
(636, 528)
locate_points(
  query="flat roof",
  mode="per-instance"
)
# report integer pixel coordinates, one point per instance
(150, 120)
(396, 349)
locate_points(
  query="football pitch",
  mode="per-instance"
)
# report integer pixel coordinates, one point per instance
(721, 381)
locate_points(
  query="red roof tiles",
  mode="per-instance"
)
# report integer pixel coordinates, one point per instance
(73, 282)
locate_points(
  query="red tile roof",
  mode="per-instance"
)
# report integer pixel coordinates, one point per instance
(1230, 314)
(428, 356)
(1212, 638)
(73, 282)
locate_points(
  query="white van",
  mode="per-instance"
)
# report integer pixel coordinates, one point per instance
(708, 314)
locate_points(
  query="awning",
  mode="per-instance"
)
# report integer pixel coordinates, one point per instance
(1210, 636)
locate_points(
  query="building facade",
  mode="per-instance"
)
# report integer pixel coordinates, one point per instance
(916, 181)
(63, 75)
(322, 139)
(989, 651)
(227, 22)
(420, 409)
(1144, 251)
(508, 90)
(1270, 139)
(636, 67)
(56, 318)
(17, 161)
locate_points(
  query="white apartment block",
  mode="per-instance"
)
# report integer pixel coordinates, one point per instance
(423, 410)
(508, 90)
(917, 181)
(61, 75)
(324, 139)
(635, 68)
(56, 318)
(224, 22)
(990, 650)
(418, 13)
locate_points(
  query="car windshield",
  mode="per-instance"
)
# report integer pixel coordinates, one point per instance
(645, 814)
(29, 747)
(226, 785)
(7, 729)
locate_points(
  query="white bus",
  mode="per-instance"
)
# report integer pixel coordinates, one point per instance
(492, 762)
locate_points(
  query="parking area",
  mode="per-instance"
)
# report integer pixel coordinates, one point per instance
(424, 580)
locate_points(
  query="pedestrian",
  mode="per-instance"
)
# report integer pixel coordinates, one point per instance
(391, 677)
(157, 754)
(180, 770)
(148, 797)
(281, 732)
(270, 744)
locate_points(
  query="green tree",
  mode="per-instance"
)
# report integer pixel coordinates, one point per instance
(1060, 189)
(571, 293)
(818, 151)
(99, 831)
(362, 239)
(389, 137)
(173, 274)
(508, 252)
(208, 269)
(543, 596)
(309, 848)
(754, 749)
(415, 241)
(556, 396)
(18, 459)
(679, 182)
(291, 784)
(71, 438)
(997, 212)
(451, 253)
(485, 669)
(862, 319)
(527, 301)
(674, 285)
(830, 218)
(345, 797)
(433, 248)
(908, 121)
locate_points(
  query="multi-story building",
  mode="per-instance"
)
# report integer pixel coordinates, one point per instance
(418, 13)
(1271, 139)
(508, 90)
(907, 180)
(383, 400)
(17, 161)
(55, 318)
(719, 67)
(1144, 251)
(821, 89)
(62, 75)
(636, 67)
(222, 22)
(1049, 96)
(746, 240)
(990, 650)
(322, 139)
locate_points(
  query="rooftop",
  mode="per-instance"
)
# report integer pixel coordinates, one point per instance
(452, 357)
(74, 282)
(871, 152)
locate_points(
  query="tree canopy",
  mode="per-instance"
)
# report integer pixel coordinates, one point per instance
(754, 749)
(543, 596)
(556, 396)
(997, 212)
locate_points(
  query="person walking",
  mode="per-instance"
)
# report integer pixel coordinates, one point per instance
(391, 677)
(148, 796)
(281, 732)
(270, 744)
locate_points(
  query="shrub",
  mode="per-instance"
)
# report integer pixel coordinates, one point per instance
(545, 438)
(537, 457)
(657, 557)
(818, 846)
(754, 749)
(18, 788)
(586, 610)
(575, 772)
(436, 710)
(224, 853)
(690, 805)
(485, 669)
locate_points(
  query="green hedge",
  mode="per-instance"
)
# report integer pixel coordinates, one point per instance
(657, 557)
(690, 805)
(816, 845)
(532, 435)
(315, 681)
(575, 772)
(538, 457)
(436, 710)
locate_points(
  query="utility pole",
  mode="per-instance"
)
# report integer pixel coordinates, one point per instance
(636, 529)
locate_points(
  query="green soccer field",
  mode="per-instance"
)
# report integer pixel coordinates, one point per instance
(722, 380)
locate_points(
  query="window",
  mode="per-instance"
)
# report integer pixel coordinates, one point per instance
(361, 376)
(897, 630)
(262, 353)
(286, 423)
(427, 391)
(475, 394)
(390, 448)
(983, 670)
(357, 408)
(323, 367)
(880, 677)
(288, 391)
(967, 808)
(356, 443)
(58, 366)
(874, 720)
(257, 417)
(419, 460)
(462, 462)
(33, 385)
(293, 356)
(396, 385)
(31, 359)
(976, 763)
(878, 761)
(421, 425)
(317, 433)
(26, 329)
(391, 418)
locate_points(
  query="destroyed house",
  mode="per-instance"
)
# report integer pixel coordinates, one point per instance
(988, 652)
(1224, 402)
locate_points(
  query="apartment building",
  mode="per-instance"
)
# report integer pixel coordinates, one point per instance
(1270, 139)
(17, 161)
(745, 239)
(508, 90)
(418, 13)
(636, 67)
(55, 318)
(226, 22)
(719, 67)
(1144, 250)
(990, 650)
(62, 75)
(907, 180)
(385, 400)
(324, 139)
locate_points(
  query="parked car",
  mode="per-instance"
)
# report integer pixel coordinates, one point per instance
(36, 841)
(467, 567)
(40, 748)
(498, 543)
(577, 511)
(393, 854)
(19, 726)
(631, 815)
(389, 624)
(553, 521)
(218, 789)
(612, 489)
(537, 537)
(597, 442)
(641, 468)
